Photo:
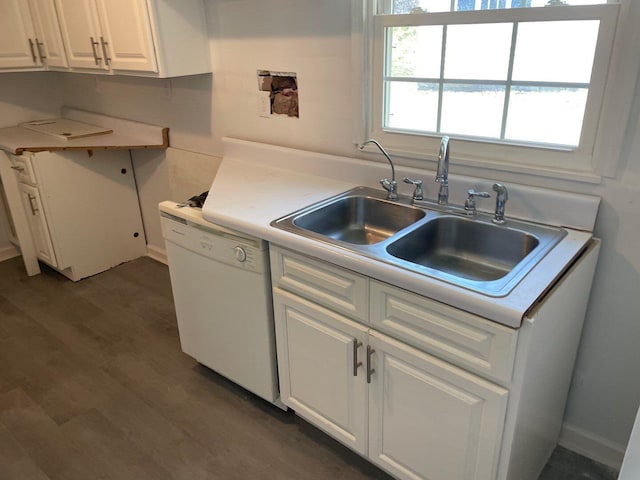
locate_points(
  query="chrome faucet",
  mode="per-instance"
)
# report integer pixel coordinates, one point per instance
(442, 174)
(391, 186)
(502, 195)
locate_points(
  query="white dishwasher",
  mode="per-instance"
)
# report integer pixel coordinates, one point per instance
(222, 294)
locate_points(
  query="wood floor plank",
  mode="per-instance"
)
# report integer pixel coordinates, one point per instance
(41, 438)
(109, 451)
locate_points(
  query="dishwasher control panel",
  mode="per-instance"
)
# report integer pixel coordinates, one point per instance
(221, 245)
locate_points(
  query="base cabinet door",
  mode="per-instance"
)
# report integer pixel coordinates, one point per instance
(38, 224)
(430, 420)
(320, 365)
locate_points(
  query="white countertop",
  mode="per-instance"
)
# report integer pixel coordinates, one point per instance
(126, 135)
(257, 184)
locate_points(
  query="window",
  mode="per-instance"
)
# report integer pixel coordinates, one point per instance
(511, 81)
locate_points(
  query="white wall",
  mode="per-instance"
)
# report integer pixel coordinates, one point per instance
(312, 38)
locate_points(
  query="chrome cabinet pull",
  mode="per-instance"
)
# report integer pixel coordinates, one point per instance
(370, 371)
(356, 363)
(17, 168)
(33, 51)
(105, 52)
(34, 210)
(40, 47)
(94, 44)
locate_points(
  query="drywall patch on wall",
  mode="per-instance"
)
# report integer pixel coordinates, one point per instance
(278, 94)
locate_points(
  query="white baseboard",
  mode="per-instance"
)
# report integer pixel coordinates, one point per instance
(157, 253)
(8, 252)
(593, 446)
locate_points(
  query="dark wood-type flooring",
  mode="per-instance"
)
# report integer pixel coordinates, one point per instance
(93, 385)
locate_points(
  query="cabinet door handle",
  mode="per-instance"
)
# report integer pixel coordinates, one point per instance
(17, 168)
(94, 46)
(356, 363)
(370, 371)
(34, 210)
(105, 52)
(33, 51)
(40, 47)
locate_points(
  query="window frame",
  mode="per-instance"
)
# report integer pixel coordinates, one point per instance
(579, 163)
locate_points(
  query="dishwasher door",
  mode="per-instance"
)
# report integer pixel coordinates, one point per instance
(223, 304)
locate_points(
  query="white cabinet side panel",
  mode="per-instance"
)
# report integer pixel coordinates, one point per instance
(547, 348)
(92, 209)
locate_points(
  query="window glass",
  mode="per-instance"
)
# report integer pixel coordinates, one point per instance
(539, 98)
(479, 52)
(555, 51)
(472, 110)
(415, 51)
(412, 106)
(546, 115)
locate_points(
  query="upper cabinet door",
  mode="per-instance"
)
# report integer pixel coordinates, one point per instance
(49, 45)
(127, 39)
(81, 33)
(17, 37)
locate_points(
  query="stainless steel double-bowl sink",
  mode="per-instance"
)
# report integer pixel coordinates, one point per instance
(468, 251)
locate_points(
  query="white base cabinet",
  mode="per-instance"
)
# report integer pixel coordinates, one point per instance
(438, 394)
(82, 209)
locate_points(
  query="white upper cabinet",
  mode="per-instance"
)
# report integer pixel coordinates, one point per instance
(17, 36)
(30, 36)
(48, 41)
(127, 39)
(160, 38)
(81, 33)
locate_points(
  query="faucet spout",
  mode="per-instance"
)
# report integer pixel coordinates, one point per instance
(501, 200)
(391, 186)
(442, 174)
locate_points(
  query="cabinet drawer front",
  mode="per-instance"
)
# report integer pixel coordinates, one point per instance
(23, 167)
(333, 287)
(464, 339)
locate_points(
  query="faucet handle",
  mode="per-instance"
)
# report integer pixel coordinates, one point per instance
(391, 186)
(417, 193)
(470, 203)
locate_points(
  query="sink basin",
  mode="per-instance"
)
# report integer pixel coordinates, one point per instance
(358, 218)
(467, 249)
